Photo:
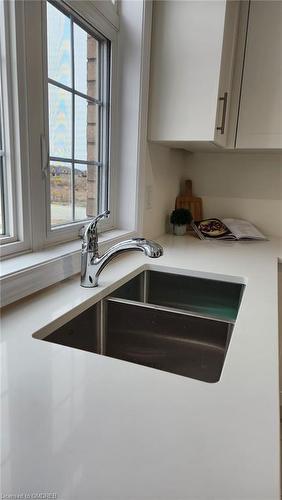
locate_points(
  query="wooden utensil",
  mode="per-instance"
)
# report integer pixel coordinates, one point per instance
(192, 203)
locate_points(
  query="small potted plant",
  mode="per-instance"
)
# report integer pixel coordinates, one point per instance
(180, 218)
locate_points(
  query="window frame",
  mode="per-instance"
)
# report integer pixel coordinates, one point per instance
(14, 136)
(104, 101)
(8, 174)
(3, 174)
(70, 231)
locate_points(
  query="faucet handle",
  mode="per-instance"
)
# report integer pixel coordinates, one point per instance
(89, 232)
(103, 215)
(91, 226)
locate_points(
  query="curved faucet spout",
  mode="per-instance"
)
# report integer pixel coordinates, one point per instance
(149, 247)
(92, 264)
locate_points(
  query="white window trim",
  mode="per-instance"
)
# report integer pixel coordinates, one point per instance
(106, 13)
(15, 106)
(47, 266)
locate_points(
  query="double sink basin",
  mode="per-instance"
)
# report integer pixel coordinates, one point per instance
(171, 322)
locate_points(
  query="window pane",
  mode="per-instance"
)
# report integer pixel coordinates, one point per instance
(86, 191)
(85, 62)
(1, 139)
(60, 122)
(3, 186)
(86, 147)
(61, 192)
(75, 122)
(59, 45)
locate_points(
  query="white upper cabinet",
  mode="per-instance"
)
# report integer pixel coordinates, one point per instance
(187, 46)
(260, 113)
(216, 74)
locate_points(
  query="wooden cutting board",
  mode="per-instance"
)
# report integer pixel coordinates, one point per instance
(193, 203)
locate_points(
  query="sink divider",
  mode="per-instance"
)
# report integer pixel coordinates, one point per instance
(146, 284)
(168, 309)
(102, 325)
(229, 334)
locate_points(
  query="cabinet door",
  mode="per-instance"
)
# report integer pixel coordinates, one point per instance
(187, 43)
(226, 93)
(260, 113)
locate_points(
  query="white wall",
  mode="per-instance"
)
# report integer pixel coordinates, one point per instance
(163, 173)
(129, 98)
(243, 185)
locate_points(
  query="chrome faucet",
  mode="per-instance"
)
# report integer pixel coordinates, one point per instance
(92, 264)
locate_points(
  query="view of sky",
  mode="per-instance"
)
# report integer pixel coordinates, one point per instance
(60, 100)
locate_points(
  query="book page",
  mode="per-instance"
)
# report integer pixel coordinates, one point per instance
(212, 229)
(243, 229)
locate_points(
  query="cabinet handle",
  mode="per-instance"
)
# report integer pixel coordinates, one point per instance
(224, 109)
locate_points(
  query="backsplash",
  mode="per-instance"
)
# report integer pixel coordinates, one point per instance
(231, 184)
(165, 169)
(242, 185)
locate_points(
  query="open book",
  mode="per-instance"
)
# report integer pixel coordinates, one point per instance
(226, 229)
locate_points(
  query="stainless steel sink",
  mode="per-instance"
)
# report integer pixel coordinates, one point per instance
(178, 324)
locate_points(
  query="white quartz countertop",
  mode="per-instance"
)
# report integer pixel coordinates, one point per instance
(83, 426)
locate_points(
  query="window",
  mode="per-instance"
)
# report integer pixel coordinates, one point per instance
(5, 226)
(78, 109)
(3, 211)
(11, 206)
(58, 73)
(13, 235)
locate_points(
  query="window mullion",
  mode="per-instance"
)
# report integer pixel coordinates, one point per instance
(77, 92)
(81, 162)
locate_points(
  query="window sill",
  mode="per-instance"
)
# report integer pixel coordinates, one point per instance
(26, 274)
